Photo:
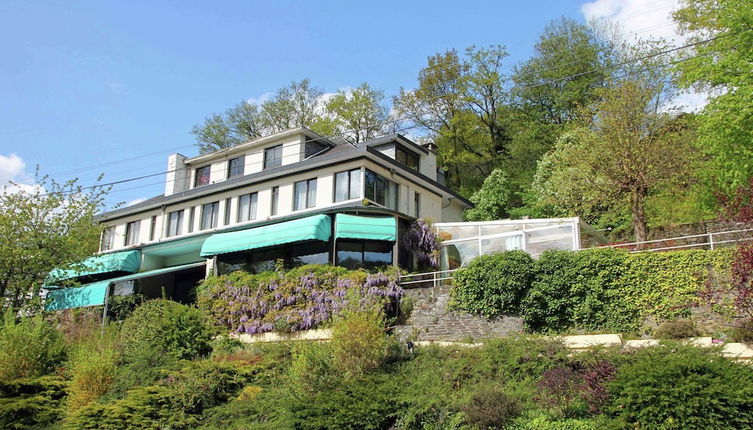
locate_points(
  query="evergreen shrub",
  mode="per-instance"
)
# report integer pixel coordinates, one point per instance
(31, 403)
(29, 347)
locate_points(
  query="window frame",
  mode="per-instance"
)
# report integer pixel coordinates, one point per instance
(152, 228)
(178, 223)
(274, 201)
(107, 242)
(349, 186)
(253, 202)
(407, 155)
(271, 163)
(214, 213)
(417, 203)
(133, 230)
(381, 185)
(239, 170)
(197, 176)
(309, 198)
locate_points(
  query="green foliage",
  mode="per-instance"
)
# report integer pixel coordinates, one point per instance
(31, 403)
(29, 347)
(312, 367)
(743, 332)
(172, 328)
(357, 114)
(544, 422)
(93, 366)
(359, 342)
(43, 227)
(493, 200)
(491, 407)
(683, 387)
(121, 307)
(177, 401)
(494, 284)
(677, 329)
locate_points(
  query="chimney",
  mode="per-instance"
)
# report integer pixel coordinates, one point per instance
(177, 175)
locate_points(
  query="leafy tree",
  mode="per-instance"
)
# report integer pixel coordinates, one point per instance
(293, 106)
(44, 227)
(460, 102)
(493, 199)
(239, 124)
(357, 114)
(722, 67)
(629, 151)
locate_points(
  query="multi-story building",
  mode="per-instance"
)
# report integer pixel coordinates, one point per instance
(293, 196)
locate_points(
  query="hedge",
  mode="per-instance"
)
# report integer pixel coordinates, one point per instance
(595, 289)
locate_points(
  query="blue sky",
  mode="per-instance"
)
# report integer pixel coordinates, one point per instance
(114, 87)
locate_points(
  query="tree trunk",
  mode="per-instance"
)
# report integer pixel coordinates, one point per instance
(637, 207)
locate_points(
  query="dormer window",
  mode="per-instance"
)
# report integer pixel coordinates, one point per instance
(202, 176)
(273, 157)
(408, 158)
(313, 146)
(235, 166)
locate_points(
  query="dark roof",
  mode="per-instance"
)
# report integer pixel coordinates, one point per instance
(396, 137)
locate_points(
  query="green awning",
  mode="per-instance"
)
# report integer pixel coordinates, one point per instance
(365, 227)
(94, 294)
(317, 227)
(125, 261)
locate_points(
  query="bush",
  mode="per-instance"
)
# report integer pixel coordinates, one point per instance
(682, 387)
(121, 307)
(93, 366)
(177, 402)
(491, 407)
(311, 369)
(172, 328)
(359, 342)
(677, 329)
(31, 403)
(29, 347)
(493, 284)
(558, 390)
(743, 332)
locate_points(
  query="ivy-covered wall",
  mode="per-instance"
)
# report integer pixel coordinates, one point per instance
(302, 298)
(591, 290)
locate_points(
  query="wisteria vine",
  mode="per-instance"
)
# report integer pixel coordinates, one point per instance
(422, 241)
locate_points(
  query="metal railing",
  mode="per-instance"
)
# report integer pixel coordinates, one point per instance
(704, 240)
(425, 280)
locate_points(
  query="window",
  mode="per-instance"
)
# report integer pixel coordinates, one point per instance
(132, 232)
(210, 213)
(202, 176)
(174, 223)
(408, 158)
(370, 254)
(313, 146)
(228, 205)
(381, 190)
(108, 238)
(235, 166)
(275, 200)
(191, 217)
(304, 195)
(273, 157)
(153, 228)
(247, 207)
(348, 185)
(417, 204)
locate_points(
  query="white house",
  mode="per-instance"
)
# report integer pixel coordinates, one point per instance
(293, 196)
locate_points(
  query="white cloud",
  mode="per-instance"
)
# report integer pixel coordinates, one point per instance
(259, 100)
(136, 201)
(636, 19)
(11, 168)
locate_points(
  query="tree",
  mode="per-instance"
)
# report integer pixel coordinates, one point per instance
(50, 225)
(460, 103)
(238, 124)
(296, 105)
(357, 114)
(493, 200)
(722, 67)
(630, 150)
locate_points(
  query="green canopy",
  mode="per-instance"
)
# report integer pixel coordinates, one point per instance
(94, 294)
(125, 261)
(317, 227)
(365, 227)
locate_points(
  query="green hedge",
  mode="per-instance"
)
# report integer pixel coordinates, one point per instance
(596, 289)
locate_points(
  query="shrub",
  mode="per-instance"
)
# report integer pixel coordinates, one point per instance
(677, 329)
(31, 403)
(177, 402)
(93, 366)
(77, 324)
(359, 342)
(172, 328)
(683, 387)
(558, 391)
(300, 299)
(493, 284)
(311, 368)
(29, 347)
(491, 407)
(743, 331)
(593, 390)
(121, 307)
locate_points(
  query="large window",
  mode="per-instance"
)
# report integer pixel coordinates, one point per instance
(108, 238)
(304, 195)
(191, 217)
(273, 157)
(264, 260)
(210, 214)
(275, 200)
(235, 166)
(370, 255)
(407, 158)
(132, 232)
(417, 205)
(247, 207)
(202, 176)
(174, 223)
(348, 185)
(381, 190)
(228, 206)
(153, 228)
